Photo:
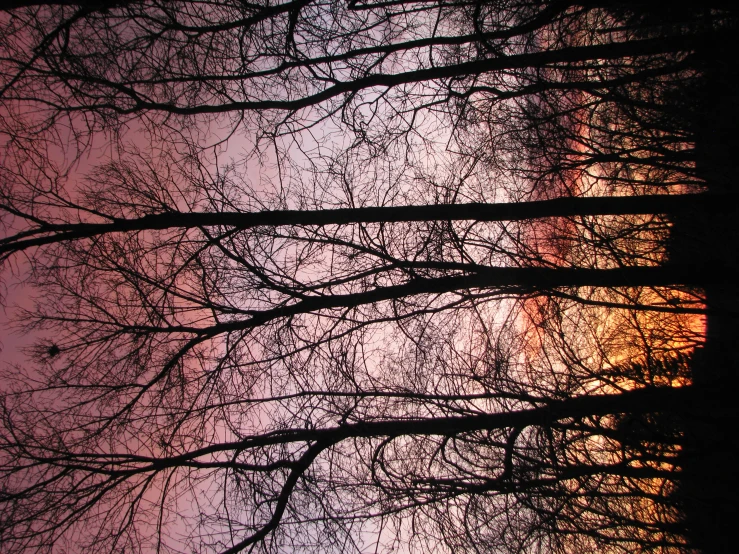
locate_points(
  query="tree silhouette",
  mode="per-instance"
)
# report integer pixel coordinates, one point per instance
(459, 309)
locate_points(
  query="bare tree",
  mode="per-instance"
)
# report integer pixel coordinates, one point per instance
(282, 68)
(373, 348)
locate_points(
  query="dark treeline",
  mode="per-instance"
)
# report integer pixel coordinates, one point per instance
(467, 285)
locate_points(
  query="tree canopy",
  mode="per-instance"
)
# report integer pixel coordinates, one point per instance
(367, 276)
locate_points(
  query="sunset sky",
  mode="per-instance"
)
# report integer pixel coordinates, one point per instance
(229, 324)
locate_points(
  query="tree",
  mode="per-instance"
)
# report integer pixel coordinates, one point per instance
(283, 68)
(374, 348)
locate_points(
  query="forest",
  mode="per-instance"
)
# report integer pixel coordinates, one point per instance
(368, 276)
